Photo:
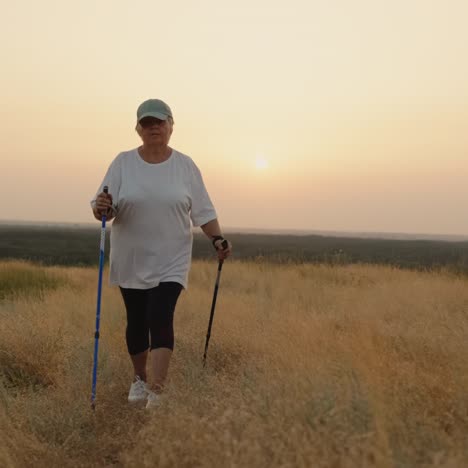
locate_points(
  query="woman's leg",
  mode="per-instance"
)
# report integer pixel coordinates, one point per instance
(159, 363)
(162, 302)
(139, 365)
(137, 331)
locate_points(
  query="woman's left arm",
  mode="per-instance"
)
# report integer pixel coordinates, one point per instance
(213, 231)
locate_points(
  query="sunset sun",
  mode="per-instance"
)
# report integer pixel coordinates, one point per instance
(261, 163)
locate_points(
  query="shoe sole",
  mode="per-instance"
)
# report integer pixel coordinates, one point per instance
(153, 406)
(136, 400)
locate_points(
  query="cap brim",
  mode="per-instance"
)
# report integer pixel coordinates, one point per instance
(156, 115)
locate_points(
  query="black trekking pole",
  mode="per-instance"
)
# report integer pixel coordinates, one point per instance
(213, 304)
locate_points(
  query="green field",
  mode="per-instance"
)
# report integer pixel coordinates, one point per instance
(79, 246)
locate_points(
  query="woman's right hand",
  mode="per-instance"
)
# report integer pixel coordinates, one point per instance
(103, 204)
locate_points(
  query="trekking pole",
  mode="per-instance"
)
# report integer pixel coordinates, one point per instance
(98, 307)
(213, 304)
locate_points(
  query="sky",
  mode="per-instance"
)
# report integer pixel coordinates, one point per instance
(346, 115)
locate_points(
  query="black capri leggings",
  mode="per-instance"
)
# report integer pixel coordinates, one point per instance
(150, 313)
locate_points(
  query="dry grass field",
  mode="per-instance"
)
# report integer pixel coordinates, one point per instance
(308, 366)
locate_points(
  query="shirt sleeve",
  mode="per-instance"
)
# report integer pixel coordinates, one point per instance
(202, 210)
(113, 180)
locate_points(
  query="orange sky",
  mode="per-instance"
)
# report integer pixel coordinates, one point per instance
(359, 109)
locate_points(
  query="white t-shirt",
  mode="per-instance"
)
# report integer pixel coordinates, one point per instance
(151, 236)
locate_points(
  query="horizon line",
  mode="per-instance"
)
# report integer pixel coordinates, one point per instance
(267, 230)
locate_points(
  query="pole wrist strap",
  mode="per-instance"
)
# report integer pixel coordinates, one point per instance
(215, 239)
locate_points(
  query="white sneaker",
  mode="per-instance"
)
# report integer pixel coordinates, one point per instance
(153, 399)
(138, 391)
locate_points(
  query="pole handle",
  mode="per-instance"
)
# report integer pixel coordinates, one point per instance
(224, 245)
(103, 218)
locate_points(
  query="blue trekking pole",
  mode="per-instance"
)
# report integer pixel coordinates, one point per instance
(98, 308)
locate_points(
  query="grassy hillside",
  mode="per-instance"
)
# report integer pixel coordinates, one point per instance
(77, 246)
(308, 365)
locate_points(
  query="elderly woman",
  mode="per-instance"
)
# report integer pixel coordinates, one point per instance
(155, 194)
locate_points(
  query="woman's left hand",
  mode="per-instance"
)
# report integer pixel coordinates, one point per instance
(223, 247)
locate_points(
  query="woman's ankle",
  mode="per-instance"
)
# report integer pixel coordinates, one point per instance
(157, 388)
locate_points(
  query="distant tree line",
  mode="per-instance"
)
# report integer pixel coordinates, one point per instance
(80, 247)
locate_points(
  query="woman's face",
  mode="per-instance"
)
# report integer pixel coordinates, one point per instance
(154, 131)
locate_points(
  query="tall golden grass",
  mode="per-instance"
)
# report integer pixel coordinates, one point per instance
(308, 366)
